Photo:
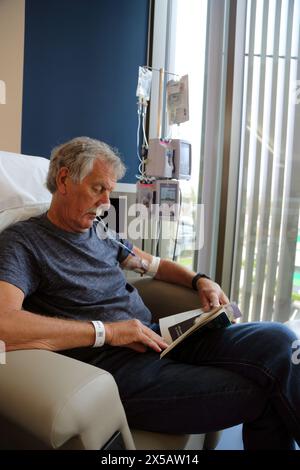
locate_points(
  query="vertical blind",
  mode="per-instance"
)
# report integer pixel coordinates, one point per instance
(268, 216)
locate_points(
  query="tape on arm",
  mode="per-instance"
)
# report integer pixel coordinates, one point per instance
(153, 266)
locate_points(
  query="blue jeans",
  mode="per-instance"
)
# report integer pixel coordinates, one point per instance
(213, 380)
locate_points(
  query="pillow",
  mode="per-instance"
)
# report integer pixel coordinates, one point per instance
(22, 181)
(23, 192)
(11, 216)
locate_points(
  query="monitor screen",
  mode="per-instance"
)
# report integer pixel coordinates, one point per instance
(168, 193)
(185, 159)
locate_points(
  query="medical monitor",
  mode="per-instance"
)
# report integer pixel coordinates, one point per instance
(182, 159)
(169, 159)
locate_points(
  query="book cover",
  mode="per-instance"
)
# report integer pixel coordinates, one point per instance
(220, 321)
(176, 328)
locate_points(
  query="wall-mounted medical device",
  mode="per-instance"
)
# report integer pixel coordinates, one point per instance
(160, 197)
(169, 159)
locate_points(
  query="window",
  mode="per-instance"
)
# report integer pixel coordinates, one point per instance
(246, 93)
(184, 44)
(266, 264)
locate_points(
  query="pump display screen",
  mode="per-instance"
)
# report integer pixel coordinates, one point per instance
(168, 194)
(185, 159)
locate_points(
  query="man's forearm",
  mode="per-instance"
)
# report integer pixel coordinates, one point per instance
(210, 293)
(25, 330)
(170, 271)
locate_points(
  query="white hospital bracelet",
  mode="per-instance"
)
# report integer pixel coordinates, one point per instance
(153, 267)
(99, 333)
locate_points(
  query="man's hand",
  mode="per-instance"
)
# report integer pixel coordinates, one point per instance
(133, 334)
(210, 294)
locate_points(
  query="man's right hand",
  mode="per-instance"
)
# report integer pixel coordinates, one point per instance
(133, 334)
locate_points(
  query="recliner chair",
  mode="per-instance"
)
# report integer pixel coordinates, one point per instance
(49, 401)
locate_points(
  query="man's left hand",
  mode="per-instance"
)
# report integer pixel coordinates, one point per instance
(210, 294)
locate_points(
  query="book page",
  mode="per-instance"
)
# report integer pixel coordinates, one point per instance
(167, 322)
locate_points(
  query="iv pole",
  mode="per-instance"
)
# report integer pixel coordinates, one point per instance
(162, 72)
(160, 101)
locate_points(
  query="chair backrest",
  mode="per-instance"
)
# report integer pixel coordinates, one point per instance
(23, 192)
(164, 298)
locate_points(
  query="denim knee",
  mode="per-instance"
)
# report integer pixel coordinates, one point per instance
(275, 344)
(279, 335)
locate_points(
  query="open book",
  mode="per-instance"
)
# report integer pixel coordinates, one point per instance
(175, 328)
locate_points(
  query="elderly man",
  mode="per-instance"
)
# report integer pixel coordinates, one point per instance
(62, 288)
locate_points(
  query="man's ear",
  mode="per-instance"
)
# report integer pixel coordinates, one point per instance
(61, 178)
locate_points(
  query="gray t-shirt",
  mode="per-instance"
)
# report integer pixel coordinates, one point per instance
(70, 275)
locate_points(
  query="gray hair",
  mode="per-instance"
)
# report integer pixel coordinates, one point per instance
(79, 155)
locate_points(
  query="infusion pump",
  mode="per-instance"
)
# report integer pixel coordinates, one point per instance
(169, 159)
(160, 197)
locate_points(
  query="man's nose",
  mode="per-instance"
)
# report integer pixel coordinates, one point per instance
(104, 198)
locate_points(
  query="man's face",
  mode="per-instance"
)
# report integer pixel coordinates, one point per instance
(83, 199)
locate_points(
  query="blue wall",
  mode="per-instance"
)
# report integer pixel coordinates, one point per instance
(81, 63)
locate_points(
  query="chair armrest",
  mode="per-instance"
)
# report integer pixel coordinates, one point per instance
(56, 398)
(163, 298)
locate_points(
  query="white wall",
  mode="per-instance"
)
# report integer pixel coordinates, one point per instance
(12, 25)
